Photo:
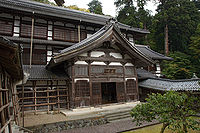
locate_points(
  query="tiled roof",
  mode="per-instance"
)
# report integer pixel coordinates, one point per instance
(38, 72)
(61, 12)
(152, 54)
(144, 74)
(176, 85)
(94, 41)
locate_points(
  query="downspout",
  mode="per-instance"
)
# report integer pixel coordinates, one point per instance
(31, 49)
(79, 32)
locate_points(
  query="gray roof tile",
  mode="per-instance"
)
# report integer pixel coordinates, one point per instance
(37, 72)
(152, 54)
(176, 85)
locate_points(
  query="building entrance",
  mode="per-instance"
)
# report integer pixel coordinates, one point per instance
(108, 92)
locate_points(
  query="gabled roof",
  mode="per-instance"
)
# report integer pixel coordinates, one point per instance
(174, 85)
(61, 12)
(96, 40)
(152, 54)
(10, 58)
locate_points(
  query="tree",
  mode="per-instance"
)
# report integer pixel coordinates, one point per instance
(95, 7)
(75, 7)
(195, 50)
(173, 109)
(180, 17)
(180, 68)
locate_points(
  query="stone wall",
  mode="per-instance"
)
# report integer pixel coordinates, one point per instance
(65, 125)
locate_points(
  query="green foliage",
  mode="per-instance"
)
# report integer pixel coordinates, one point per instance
(182, 17)
(95, 7)
(179, 68)
(75, 7)
(173, 109)
(131, 15)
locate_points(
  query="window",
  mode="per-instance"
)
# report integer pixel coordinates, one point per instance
(82, 88)
(131, 86)
(40, 30)
(6, 27)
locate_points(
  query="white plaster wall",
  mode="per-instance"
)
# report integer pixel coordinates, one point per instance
(98, 63)
(81, 63)
(97, 53)
(129, 64)
(75, 80)
(130, 78)
(116, 55)
(115, 64)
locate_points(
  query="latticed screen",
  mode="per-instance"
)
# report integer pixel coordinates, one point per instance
(67, 34)
(82, 88)
(131, 86)
(40, 30)
(6, 27)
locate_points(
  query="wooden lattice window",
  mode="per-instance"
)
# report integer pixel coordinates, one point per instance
(131, 86)
(6, 27)
(82, 88)
(40, 30)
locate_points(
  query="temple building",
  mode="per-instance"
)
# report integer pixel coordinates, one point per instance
(76, 59)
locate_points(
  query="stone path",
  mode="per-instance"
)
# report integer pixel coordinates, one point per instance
(115, 127)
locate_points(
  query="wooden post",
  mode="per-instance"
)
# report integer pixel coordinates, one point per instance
(35, 96)
(90, 83)
(3, 121)
(67, 93)
(47, 97)
(58, 96)
(79, 33)
(73, 87)
(124, 79)
(31, 48)
(22, 104)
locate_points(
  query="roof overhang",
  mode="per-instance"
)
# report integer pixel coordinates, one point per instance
(107, 33)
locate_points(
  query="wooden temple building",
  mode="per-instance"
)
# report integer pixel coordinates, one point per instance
(11, 73)
(72, 58)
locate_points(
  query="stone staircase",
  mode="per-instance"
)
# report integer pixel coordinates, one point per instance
(119, 115)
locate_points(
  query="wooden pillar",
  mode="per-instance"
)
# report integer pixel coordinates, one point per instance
(3, 121)
(35, 96)
(90, 83)
(58, 96)
(124, 79)
(73, 87)
(137, 86)
(23, 104)
(7, 109)
(48, 96)
(67, 93)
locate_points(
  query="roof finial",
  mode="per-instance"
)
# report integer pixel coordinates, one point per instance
(112, 21)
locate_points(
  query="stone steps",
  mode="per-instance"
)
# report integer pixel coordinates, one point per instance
(118, 116)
